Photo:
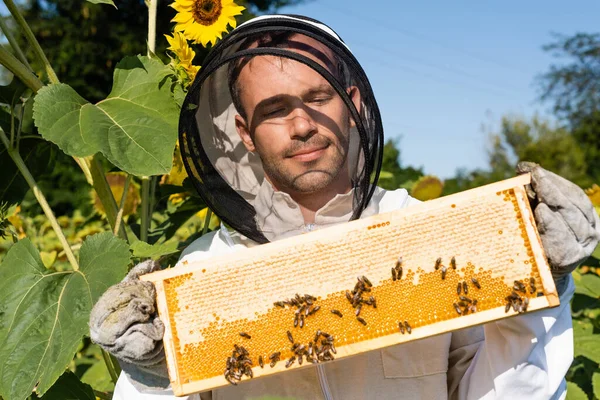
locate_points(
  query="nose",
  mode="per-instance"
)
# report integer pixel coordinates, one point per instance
(303, 123)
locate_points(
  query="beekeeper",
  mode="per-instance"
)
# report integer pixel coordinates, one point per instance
(280, 134)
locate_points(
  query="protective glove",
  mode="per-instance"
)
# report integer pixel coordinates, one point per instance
(568, 225)
(124, 323)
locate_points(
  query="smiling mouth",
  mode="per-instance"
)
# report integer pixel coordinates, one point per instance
(309, 154)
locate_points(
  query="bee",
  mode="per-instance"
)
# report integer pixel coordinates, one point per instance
(290, 361)
(438, 262)
(358, 308)
(463, 298)
(525, 303)
(336, 312)
(349, 296)
(317, 334)
(362, 321)
(408, 328)
(296, 321)
(476, 283)
(275, 356)
(261, 362)
(444, 270)
(373, 302)
(300, 359)
(458, 288)
(399, 273)
(465, 288)
(279, 304)
(366, 281)
(393, 274)
(453, 262)
(301, 321)
(507, 307)
(532, 285)
(314, 310)
(290, 337)
(462, 303)
(457, 308)
(519, 287)
(401, 327)
(230, 380)
(248, 372)
(245, 335)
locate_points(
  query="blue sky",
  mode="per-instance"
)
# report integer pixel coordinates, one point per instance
(443, 69)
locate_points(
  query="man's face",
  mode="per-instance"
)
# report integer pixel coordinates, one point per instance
(296, 123)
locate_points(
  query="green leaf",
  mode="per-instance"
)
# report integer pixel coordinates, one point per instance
(135, 127)
(587, 344)
(97, 376)
(37, 154)
(143, 249)
(574, 392)
(596, 253)
(385, 175)
(103, 2)
(44, 313)
(596, 384)
(587, 284)
(69, 387)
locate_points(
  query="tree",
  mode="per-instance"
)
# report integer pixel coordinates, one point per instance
(574, 89)
(85, 41)
(554, 148)
(393, 174)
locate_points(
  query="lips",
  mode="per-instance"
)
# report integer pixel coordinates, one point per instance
(308, 150)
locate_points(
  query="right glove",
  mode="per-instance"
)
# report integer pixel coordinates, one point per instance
(124, 322)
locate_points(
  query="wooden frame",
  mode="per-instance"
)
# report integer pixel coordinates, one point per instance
(492, 219)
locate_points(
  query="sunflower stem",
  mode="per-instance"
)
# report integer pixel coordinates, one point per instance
(16, 157)
(144, 225)
(152, 27)
(19, 70)
(206, 221)
(37, 49)
(107, 199)
(13, 43)
(122, 205)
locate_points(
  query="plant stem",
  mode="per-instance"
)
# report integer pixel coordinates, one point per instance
(112, 365)
(122, 205)
(152, 26)
(207, 221)
(144, 225)
(84, 164)
(102, 188)
(31, 39)
(21, 71)
(16, 157)
(13, 43)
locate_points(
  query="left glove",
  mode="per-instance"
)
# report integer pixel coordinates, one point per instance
(568, 225)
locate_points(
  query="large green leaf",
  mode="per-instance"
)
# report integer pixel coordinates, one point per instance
(144, 250)
(587, 284)
(587, 343)
(44, 313)
(135, 127)
(97, 376)
(69, 387)
(596, 384)
(574, 392)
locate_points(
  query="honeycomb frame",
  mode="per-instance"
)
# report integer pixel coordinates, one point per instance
(489, 230)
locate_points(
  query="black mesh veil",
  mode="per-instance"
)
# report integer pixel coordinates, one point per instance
(225, 174)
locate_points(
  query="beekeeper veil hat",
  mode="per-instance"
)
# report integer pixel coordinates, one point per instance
(225, 174)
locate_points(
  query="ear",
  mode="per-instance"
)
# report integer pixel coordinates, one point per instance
(242, 129)
(354, 94)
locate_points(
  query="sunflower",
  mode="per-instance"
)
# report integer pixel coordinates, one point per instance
(183, 53)
(205, 21)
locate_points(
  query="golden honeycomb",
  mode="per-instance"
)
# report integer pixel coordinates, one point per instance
(490, 233)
